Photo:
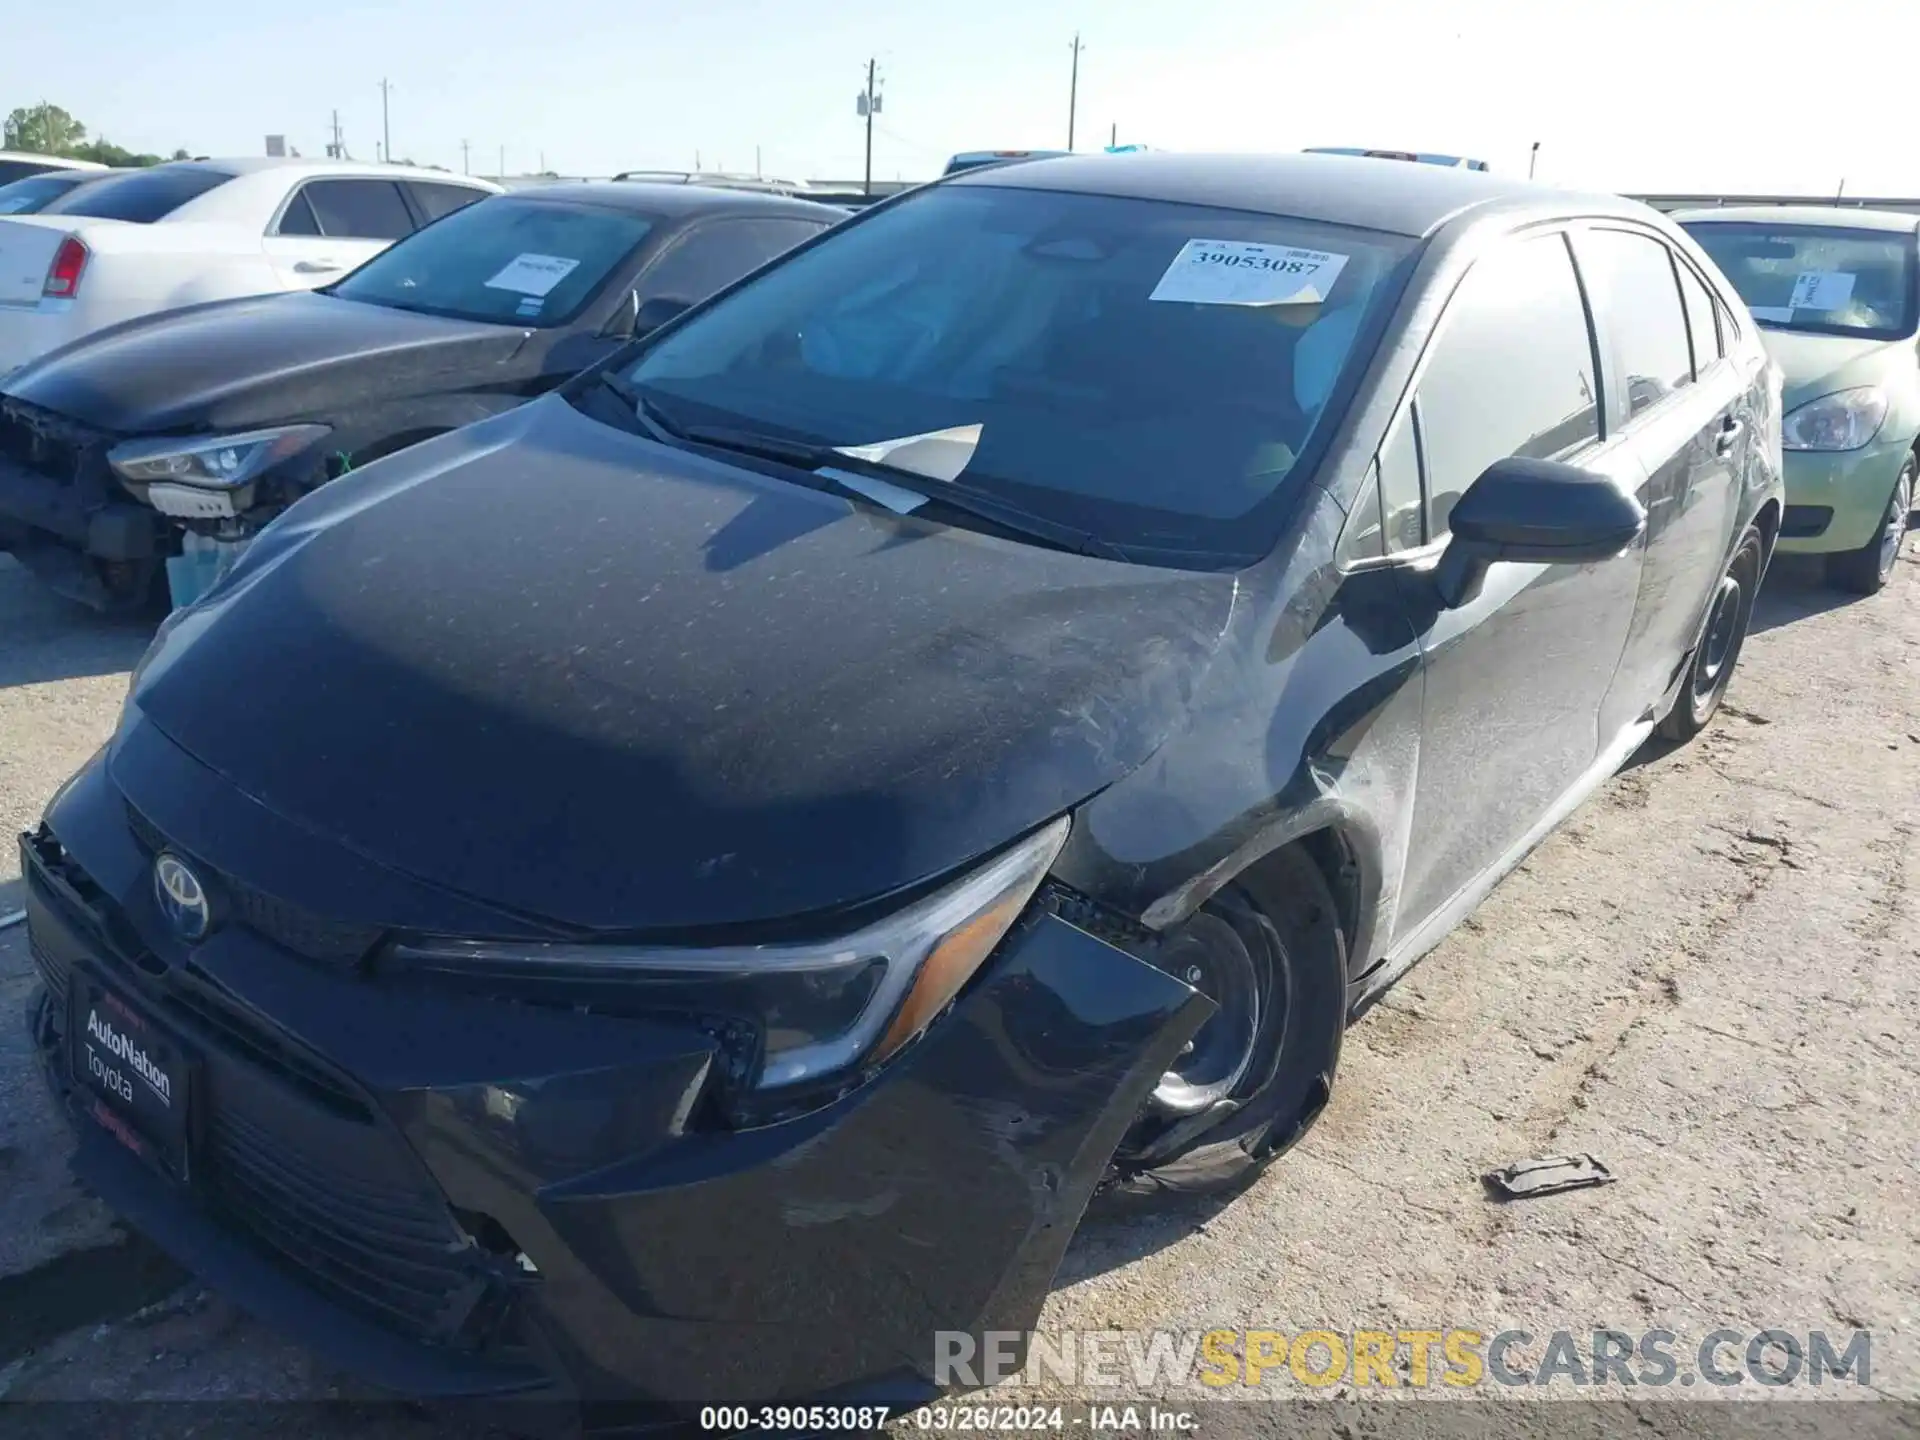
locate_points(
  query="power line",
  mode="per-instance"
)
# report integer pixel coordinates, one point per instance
(1073, 89)
(868, 106)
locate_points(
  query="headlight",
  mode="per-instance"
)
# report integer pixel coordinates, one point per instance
(814, 1009)
(224, 461)
(1846, 420)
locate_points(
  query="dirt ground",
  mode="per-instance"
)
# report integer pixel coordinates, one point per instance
(1709, 978)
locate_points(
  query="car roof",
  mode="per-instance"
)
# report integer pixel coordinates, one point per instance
(1842, 217)
(1385, 195)
(351, 169)
(674, 201)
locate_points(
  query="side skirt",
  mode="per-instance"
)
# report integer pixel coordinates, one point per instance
(1404, 956)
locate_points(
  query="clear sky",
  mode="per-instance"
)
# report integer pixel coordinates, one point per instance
(1642, 95)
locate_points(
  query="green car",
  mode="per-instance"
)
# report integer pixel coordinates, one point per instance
(1837, 297)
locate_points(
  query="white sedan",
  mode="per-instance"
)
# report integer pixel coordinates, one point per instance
(189, 232)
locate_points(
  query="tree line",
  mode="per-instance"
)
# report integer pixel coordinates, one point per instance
(49, 130)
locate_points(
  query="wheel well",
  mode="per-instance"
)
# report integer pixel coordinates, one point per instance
(1333, 856)
(1769, 522)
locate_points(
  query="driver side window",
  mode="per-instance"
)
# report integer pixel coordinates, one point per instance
(1513, 372)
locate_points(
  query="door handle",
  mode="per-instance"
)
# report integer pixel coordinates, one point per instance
(1730, 429)
(317, 267)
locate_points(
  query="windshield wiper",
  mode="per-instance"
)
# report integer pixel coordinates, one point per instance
(823, 460)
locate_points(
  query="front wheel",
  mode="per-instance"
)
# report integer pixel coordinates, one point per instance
(1866, 570)
(1711, 665)
(1268, 950)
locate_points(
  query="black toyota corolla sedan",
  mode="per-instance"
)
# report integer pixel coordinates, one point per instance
(217, 417)
(682, 892)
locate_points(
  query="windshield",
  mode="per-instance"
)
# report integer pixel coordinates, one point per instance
(506, 260)
(1825, 280)
(25, 197)
(140, 196)
(1148, 373)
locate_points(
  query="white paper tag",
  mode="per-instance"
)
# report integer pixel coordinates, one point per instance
(936, 455)
(1822, 290)
(1779, 314)
(533, 274)
(1239, 272)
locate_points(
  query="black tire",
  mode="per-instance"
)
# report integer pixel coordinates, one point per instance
(1866, 571)
(1710, 666)
(1287, 921)
(134, 589)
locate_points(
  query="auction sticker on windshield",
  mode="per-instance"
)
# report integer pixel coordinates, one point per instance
(531, 274)
(1241, 272)
(1821, 290)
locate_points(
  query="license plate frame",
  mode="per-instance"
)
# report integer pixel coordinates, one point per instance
(134, 1076)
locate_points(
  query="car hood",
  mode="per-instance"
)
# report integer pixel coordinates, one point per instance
(257, 361)
(615, 686)
(1816, 365)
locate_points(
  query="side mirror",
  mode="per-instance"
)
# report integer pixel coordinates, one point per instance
(657, 311)
(1533, 512)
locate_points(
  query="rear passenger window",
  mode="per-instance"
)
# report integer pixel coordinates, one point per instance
(1637, 298)
(359, 209)
(1701, 324)
(298, 218)
(1512, 373)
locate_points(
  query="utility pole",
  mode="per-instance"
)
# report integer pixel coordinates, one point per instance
(386, 134)
(1073, 91)
(1533, 159)
(756, 162)
(338, 149)
(868, 107)
(1113, 136)
(465, 168)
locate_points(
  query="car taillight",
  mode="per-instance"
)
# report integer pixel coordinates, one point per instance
(63, 276)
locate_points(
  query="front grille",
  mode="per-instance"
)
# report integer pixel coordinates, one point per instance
(204, 1011)
(52, 972)
(385, 1251)
(291, 1154)
(291, 927)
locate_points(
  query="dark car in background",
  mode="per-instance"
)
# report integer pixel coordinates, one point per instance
(218, 417)
(34, 193)
(680, 893)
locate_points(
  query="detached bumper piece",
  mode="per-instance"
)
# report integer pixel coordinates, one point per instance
(518, 1199)
(60, 504)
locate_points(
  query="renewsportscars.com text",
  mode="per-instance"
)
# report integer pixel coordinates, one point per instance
(1458, 1357)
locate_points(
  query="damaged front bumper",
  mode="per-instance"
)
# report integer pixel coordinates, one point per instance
(454, 1195)
(61, 511)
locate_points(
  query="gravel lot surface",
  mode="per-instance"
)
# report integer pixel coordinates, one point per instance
(1710, 978)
